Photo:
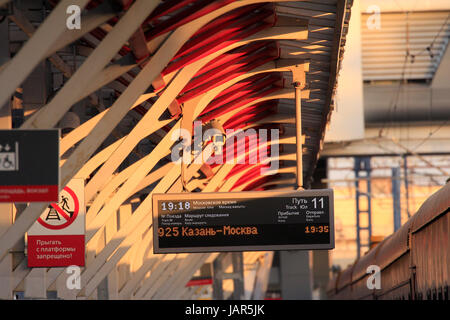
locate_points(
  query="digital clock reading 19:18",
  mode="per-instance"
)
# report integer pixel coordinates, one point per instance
(171, 206)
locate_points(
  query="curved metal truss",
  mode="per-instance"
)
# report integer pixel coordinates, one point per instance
(168, 64)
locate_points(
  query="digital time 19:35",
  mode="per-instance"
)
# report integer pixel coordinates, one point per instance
(317, 229)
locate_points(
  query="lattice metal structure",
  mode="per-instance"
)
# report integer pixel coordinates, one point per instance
(363, 204)
(134, 73)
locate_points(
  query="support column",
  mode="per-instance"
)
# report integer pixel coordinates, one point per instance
(237, 259)
(103, 290)
(405, 170)
(262, 276)
(320, 258)
(396, 198)
(321, 273)
(363, 204)
(296, 277)
(218, 277)
(219, 266)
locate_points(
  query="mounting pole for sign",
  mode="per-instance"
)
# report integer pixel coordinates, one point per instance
(298, 75)
(298, 124)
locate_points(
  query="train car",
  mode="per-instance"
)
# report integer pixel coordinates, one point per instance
(360, 276)
(430, 241)
(414, 262)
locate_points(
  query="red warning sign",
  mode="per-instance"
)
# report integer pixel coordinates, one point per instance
(61, 215)
(55, 251)
(57, 238)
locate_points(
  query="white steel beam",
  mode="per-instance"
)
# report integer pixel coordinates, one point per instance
(103, 127)
(35, 49)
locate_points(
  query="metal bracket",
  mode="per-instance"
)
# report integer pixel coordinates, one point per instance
(298, 76)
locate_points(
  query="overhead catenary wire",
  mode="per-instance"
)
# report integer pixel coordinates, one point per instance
(429, 47)
(407, 150)
(394, 103)
(431, 134)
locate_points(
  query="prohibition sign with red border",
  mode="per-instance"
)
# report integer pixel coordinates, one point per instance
(69, 220)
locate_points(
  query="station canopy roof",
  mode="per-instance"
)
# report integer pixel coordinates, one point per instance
(164, 65)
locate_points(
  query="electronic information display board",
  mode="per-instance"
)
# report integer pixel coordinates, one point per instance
(243, 221)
